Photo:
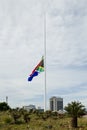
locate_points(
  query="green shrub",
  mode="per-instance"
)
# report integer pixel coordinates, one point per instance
(19, 121)
(8, 120)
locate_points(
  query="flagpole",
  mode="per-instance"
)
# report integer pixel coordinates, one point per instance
(45, 62)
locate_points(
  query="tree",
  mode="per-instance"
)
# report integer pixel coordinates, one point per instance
(4, 106)
(75, 109)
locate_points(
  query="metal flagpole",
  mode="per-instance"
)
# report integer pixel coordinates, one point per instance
(45, 61)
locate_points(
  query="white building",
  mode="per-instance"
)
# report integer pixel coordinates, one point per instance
(30, 107)
(56, 103)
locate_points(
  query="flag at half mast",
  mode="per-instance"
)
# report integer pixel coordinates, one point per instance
(39, 68)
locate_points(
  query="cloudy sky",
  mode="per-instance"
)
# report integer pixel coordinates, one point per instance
(22, 46)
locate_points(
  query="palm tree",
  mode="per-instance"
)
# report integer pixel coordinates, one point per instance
(75, 109)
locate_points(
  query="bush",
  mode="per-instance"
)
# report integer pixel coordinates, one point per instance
(19, 122)
(26, 117)
(8, 120)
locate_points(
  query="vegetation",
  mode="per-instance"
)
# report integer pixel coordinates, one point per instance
(20, 119)
(75, 109)
(4, 106)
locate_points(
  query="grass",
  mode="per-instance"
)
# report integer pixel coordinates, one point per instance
(37, 123)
